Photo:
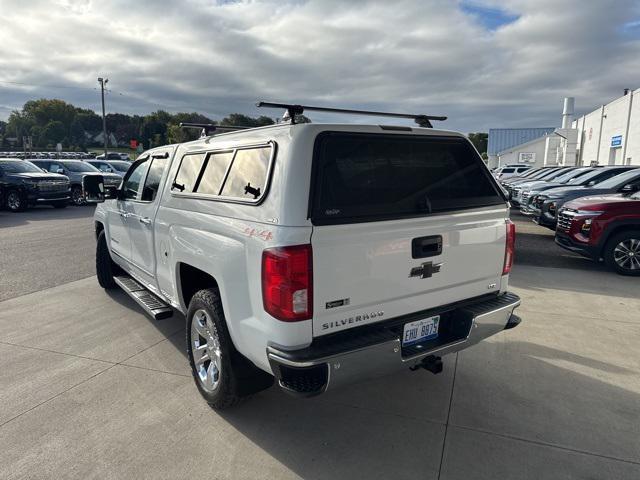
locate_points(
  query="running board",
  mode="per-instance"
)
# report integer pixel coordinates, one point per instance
(152, 305)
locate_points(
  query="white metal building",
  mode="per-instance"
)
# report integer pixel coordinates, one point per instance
(609, 135)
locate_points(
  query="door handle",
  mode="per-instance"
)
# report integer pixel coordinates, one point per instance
(145, 220)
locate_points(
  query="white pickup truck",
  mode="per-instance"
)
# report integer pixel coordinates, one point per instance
(318, 254)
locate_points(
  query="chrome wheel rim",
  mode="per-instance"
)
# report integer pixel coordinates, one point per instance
(627, 254)
(13, 201)
(205, 350)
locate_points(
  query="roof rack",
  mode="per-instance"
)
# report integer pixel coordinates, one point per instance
(210, 128)
(292, 110)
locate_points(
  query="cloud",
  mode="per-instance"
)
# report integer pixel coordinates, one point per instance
(219, 57)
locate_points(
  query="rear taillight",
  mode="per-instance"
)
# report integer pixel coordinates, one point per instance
(287, 282)
(510, 247)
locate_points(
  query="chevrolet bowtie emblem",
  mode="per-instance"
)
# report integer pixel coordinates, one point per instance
(426, 270)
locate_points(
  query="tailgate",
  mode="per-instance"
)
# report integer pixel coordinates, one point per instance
(368, 272)
(401, 223)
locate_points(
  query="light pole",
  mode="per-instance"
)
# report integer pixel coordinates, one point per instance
(103, 82)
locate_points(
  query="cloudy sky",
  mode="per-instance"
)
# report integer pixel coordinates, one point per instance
(484, 63)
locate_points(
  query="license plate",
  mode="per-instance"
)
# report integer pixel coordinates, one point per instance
(420, 330)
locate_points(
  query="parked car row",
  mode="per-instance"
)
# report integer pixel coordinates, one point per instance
(35, 155)
(54, 182)
(595, 211)
(66, 155)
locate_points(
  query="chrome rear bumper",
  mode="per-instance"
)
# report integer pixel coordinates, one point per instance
(376, 351)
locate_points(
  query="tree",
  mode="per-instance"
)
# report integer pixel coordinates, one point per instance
(19, 125)
(52, 133)
(479, 141)
(240, 120)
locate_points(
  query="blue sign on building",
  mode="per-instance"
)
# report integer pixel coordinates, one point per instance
(616, 141)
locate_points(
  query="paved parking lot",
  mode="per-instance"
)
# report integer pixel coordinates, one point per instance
(89, 387)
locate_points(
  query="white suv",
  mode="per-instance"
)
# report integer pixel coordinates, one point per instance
(318, 254)
(509, 171)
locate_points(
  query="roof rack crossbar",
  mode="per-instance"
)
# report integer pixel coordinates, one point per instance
(292, 110)
(209, 128)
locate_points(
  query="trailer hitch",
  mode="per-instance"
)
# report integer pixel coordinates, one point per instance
(430, 363)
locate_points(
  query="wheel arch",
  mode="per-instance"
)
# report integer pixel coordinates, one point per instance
(190, 279)
(614, 229)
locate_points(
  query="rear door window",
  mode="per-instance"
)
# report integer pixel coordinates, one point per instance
(369, 177)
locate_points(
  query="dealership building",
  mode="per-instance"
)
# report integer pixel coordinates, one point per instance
(609, 135)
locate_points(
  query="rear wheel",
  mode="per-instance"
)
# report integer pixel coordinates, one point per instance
(622, 252)
(16, 201)
(223, 376)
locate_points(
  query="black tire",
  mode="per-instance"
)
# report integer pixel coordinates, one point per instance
(237, 377)
(76, 196)
(61, 204)
(16, 201)
(614, 252)
(106, 268)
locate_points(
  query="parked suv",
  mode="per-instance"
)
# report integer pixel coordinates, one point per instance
(509, 171)
(77, 170)
(24, 184)
(603, 227)
(119, 167)
(530, 189)
(547, 203)
(114, 156)
(318, 254)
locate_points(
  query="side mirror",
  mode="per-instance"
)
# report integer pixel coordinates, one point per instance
(111, 194)
(591, 183)
(629, 188)
(59, 170)
(93, 188)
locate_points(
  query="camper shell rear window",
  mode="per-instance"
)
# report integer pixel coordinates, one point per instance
(363, 177)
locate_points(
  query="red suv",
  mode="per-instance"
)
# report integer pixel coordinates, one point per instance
(603, 227)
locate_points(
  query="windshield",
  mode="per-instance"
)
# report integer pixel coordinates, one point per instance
(19, 167)
(573, 175)
(121, 166)
(529, 173)
(619, 179)
(545, 173)
(557, 174)
(79, 167)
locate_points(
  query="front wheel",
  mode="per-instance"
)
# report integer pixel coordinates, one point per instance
(223, 376)
(76, 196)
(16, 201)
(106, 268)
(622, 253)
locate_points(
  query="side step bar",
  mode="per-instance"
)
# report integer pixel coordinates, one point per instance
(152, 305)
